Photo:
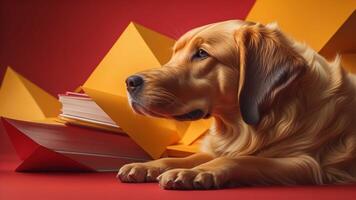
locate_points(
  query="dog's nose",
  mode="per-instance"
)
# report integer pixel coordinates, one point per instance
(133, 83)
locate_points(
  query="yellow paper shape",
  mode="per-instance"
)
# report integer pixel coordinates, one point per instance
(137, 49)
(182, 128)
(21, 99)
(195, 130)
(343, 41)
(145, 131)
(313, 22)
(181, 150)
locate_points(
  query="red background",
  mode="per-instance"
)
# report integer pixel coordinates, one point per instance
(57, 44)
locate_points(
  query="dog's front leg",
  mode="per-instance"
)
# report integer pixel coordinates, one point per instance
(247, 170)
(149, 171)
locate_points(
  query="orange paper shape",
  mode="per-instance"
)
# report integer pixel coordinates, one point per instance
(343, 41)
(137, 49)
(23, 100)
(312, 22)
(181, 150)
(146, 132)
(195, 130)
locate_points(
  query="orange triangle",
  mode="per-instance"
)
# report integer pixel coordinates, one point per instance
(21, 99)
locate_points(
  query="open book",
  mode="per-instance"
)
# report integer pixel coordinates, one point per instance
(80, 109)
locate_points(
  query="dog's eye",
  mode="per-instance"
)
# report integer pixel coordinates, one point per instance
(200, 54)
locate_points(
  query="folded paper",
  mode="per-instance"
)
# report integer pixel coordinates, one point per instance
(313, 22)
(343, 43)
(195, 130)
(145, 131)
(330, 30)
(344, 40)
(181, 150)
(137, 49)
(21, 99)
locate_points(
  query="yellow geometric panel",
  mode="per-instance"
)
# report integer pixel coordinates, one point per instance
(195, 130)
(310, 21)
(137, 49)
(130, 54)
(150, 133)
(181, 150)
(21, 99)
(343, 41)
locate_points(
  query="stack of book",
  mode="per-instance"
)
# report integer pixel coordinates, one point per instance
(80, 109)
(58, 147)
(82, 138)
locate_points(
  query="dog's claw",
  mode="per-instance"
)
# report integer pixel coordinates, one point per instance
(138, 173)
(183, 179)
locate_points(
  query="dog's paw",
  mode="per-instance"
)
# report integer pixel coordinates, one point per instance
(188, 179)
(138, 173)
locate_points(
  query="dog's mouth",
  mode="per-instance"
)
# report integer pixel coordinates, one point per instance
(189, 116)
(193, 115)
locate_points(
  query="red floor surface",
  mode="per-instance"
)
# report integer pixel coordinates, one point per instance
(87, 186)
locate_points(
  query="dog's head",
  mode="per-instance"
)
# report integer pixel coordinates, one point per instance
(232, 68)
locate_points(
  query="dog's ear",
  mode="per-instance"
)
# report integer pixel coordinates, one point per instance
(268, 65)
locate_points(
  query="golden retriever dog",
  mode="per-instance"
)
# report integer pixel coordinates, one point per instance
(283, 114)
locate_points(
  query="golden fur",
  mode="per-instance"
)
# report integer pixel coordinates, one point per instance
(282, 113)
